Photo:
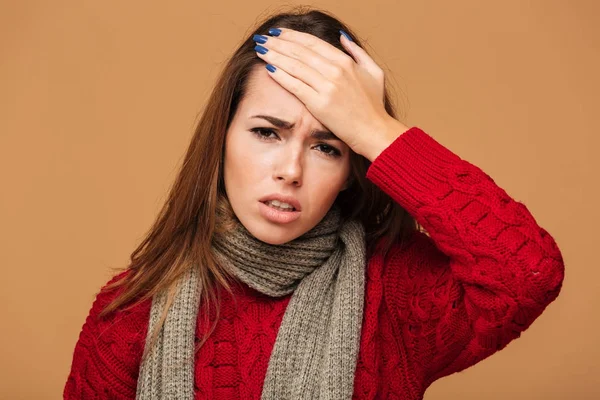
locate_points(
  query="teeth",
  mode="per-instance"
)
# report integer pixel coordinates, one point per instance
(279, 204)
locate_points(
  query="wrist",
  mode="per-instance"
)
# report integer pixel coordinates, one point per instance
(390, 130)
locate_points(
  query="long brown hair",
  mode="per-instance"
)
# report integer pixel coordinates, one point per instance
(197, 207)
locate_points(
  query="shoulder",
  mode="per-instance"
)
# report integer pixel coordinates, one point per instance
(125, 317)
(106, 295)
(122, 329)
(108, 351)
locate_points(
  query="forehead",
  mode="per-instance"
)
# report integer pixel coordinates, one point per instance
(266, 96)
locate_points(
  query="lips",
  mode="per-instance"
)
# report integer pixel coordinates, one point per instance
(284, 199)
(281, 208)
(277, 216)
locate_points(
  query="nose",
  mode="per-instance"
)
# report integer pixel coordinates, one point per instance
(289, 167)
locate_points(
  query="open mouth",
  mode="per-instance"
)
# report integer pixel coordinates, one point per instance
(279, 206)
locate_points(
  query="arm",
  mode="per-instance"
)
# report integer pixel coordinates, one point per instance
(490, 269)
(107, 354)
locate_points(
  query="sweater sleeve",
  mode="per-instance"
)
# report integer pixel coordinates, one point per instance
(108, 352)
(487, 270)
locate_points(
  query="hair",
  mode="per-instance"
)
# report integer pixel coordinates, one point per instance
(197, 207)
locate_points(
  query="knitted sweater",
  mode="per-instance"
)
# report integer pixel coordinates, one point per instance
(449, 299)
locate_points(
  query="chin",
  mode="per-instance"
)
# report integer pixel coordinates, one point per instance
(272, 233)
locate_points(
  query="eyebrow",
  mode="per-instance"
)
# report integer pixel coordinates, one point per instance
(279, 123)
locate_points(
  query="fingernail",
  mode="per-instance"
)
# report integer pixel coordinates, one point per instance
(270, 68)
(274, 32)
(260, 39)
(260, 49)
(347, 36)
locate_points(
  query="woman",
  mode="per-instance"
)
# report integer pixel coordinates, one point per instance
(288, 260)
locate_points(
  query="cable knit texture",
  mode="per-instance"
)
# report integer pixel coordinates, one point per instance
(445, 301)
(316, 349)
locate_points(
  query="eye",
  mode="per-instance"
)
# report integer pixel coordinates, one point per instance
(330, 151)
(259, 132)
(264, 134)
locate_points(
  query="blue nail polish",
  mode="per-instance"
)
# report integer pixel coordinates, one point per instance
(260, 49)
(274, 32)
(260, 39)
(347, 36)
(270, 68)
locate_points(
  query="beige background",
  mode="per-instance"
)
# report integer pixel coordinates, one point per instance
(98, 101)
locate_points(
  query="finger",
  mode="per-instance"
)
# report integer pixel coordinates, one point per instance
(360, 55)
(301, 90)
(301, 53)
(293, 67)
(316, 44)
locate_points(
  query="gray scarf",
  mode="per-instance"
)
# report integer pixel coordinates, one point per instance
(316, 349)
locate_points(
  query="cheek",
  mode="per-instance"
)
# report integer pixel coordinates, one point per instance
(242, 163)
(326, 187)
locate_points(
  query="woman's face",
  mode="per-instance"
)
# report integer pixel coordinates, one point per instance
(263, 157)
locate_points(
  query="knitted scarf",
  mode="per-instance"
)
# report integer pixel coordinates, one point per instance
(316, 348)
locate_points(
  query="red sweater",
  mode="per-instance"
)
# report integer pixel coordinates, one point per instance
(486, 271)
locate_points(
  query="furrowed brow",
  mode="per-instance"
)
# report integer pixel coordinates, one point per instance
(279, 123)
